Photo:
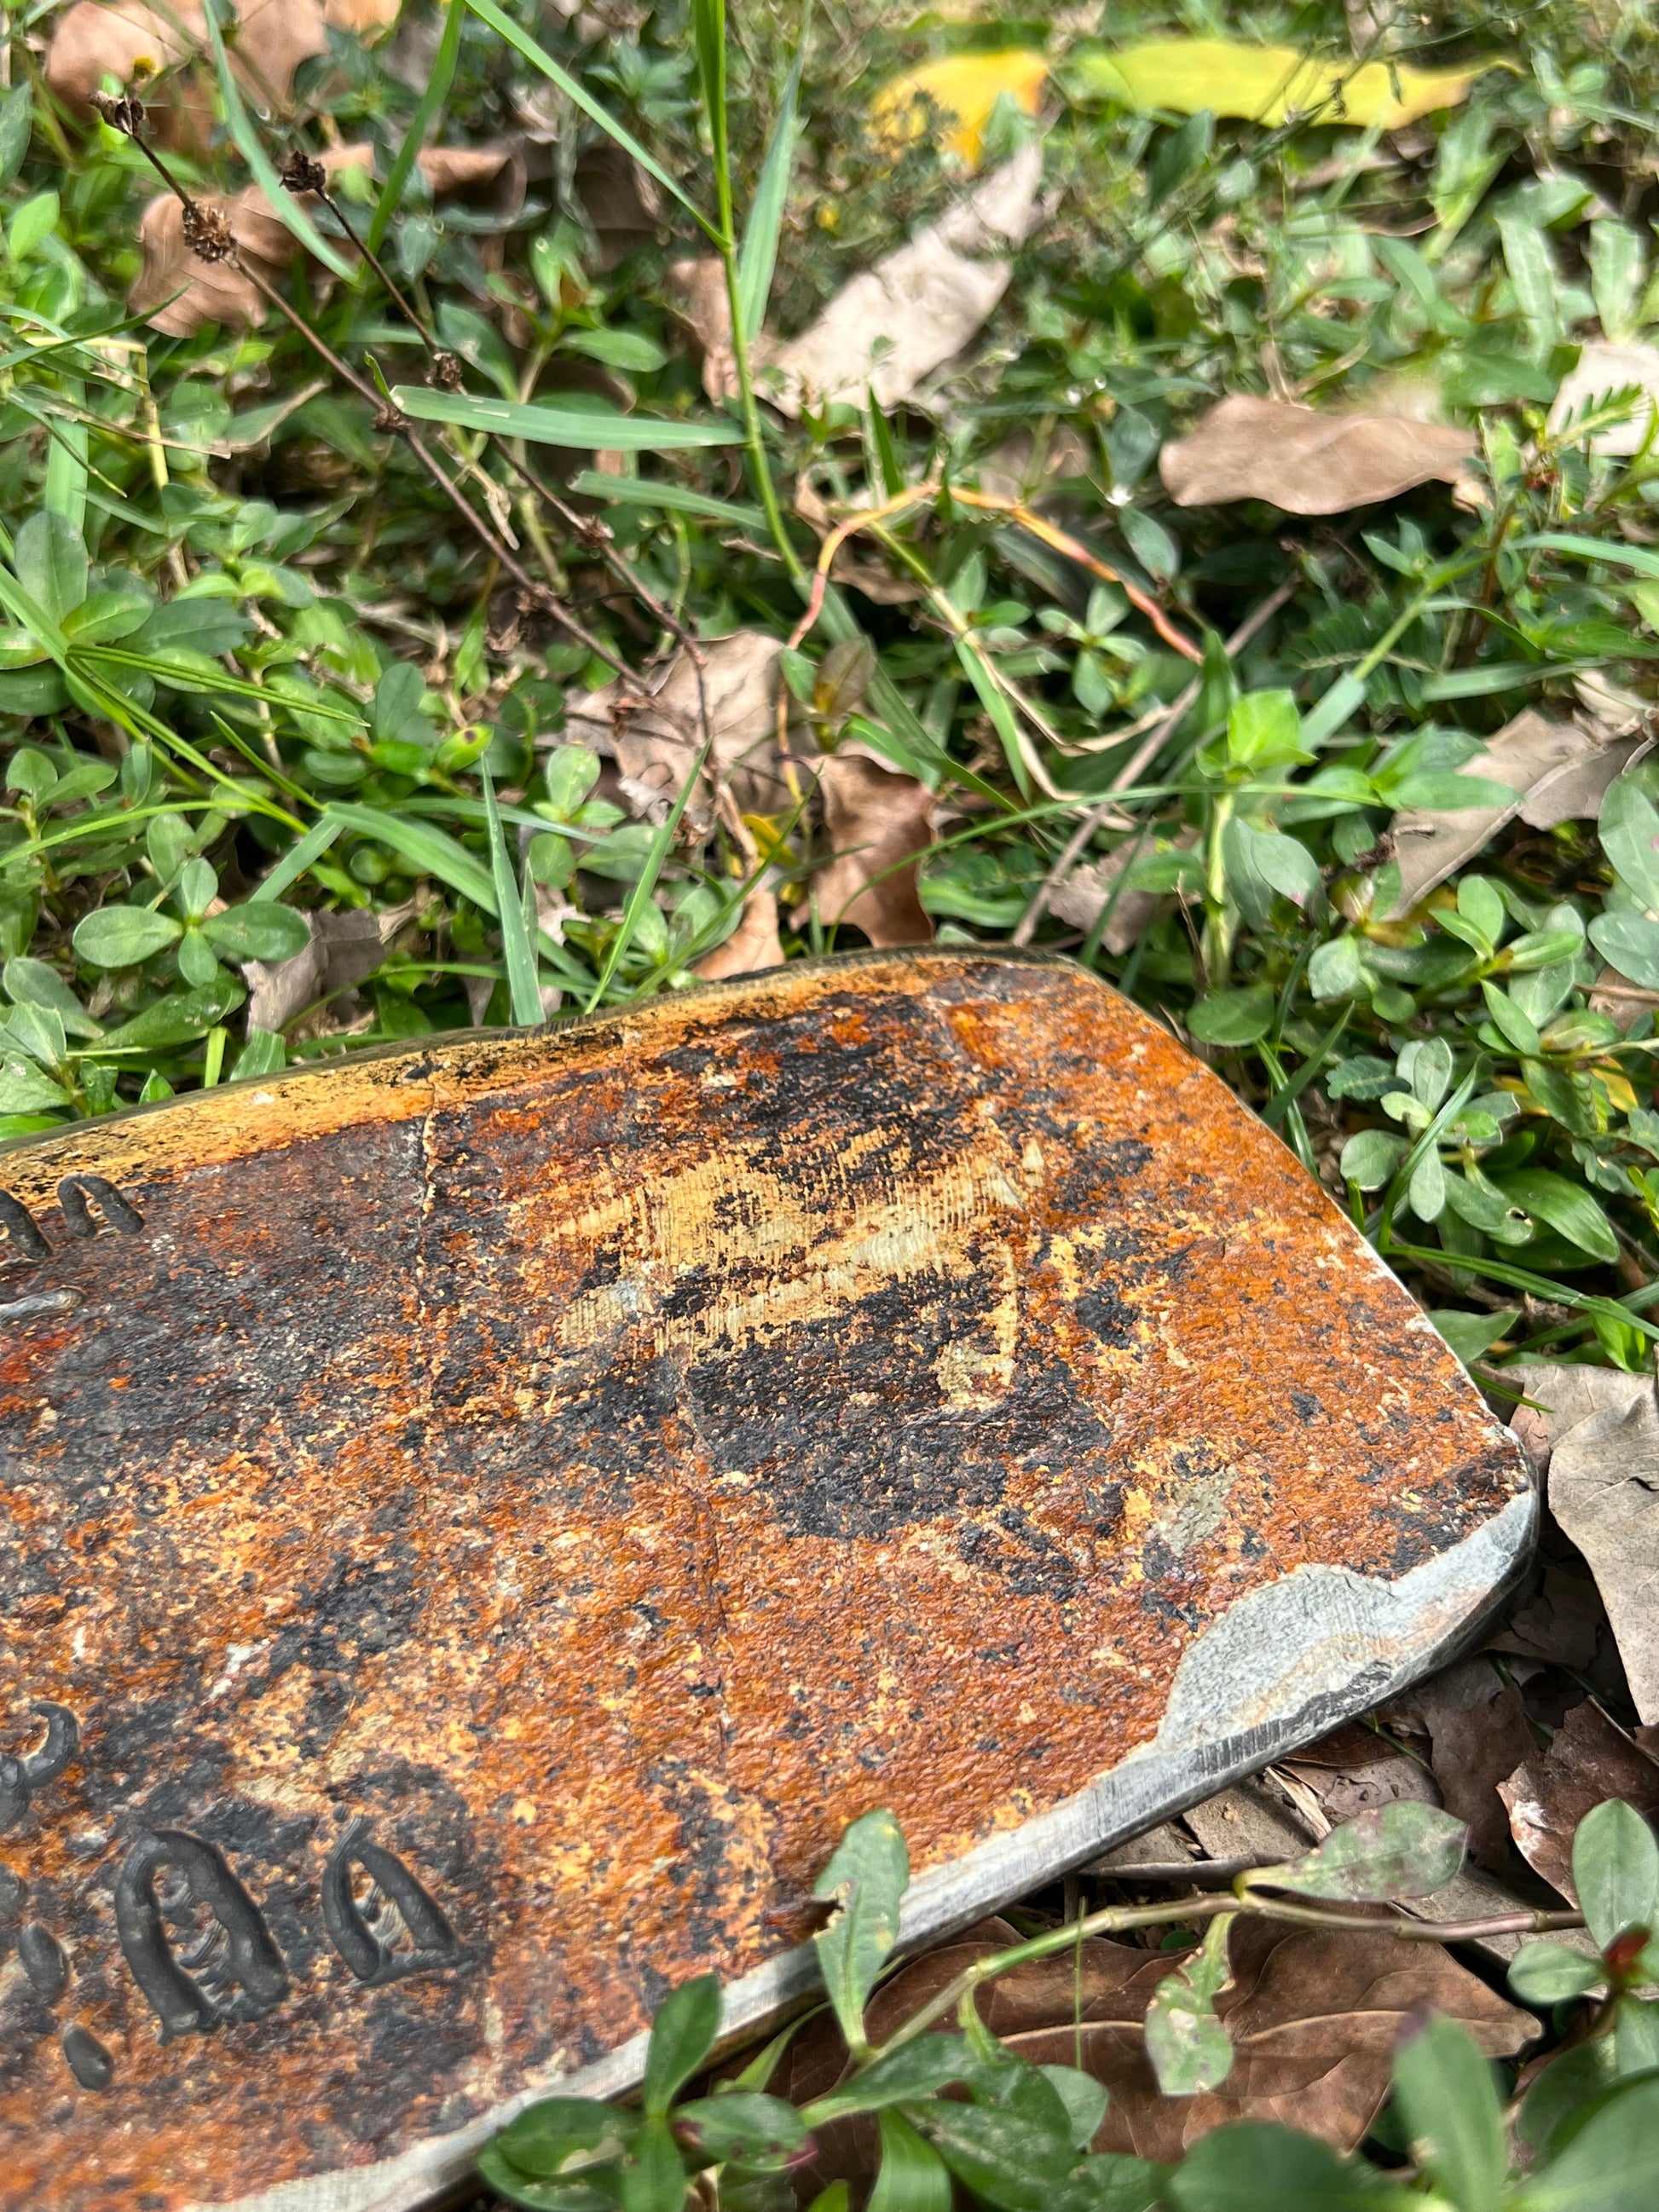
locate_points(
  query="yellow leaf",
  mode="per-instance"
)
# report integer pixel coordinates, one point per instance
(1267, 84)
(965, 88)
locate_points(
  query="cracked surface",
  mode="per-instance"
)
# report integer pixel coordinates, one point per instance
(604, 1465)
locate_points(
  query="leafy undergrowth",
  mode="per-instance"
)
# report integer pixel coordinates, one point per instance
(498, 584)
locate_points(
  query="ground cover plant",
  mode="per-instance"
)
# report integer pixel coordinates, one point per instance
(473, 553)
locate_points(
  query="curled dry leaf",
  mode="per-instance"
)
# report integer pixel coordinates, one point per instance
(753, 945)
(344, 951)
(897, 323)
(1478, 1735)
(1589, 1759)
(1604, 1492)
(1305, 462)
(652, 726)
(1561, 1621)
(1559, 772)
(698, 285)
(877, 822)
(963, 89)
(1602, 370)
(1562, 1395)
(1313, 2018)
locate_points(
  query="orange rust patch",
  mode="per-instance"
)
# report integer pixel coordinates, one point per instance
(499, 1510)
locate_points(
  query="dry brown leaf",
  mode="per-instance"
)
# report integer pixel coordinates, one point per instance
(753, 945)
(344, 951)
(1354, 1770)
(1304, 461)
(897, 323)
(1314, 2019)
(1560, 1622)
(1604, 1492)
(652, 726)
(1565, 1393)
(1083, 894)
(1588, 1760)
(877, 822)
(1248, 1822)
(90, 42)
(699, 288)
(1478, 1735)
(179, 293)
(620, 200)
(1559, 772)
(1024, 466)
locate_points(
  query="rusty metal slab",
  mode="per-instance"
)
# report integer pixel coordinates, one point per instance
(479, 1521)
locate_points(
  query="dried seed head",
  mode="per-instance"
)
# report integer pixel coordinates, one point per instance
(207, 232)
(388, 417)
(448, 373)
(302, 173)
(125, 114)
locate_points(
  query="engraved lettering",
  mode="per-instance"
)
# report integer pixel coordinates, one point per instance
(12, 1894)
(43, 1960)
(86, 2058)
(232, 1969)
(23, 1237)
(78, 1193)
(20, 1778)
(395, 1929)
(37, 1303)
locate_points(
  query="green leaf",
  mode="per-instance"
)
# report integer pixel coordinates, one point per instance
(1398, 1851)
(681, 2037)
(178, 1018)
(652, 2178)
(757, 256)
(709, 38)
(1628, 830)
(1469, 1335)
(439, 80)
(1336, 971)
(1004, 2156)
(1234, 1017)
(1084, 2097)
(1190, 2049)
(625, 350)
(262, 930)
(1370, 1156)
(1449, 2103)
(1615, 1870)
(524, 987)
(1606, 2164)
(561, 426)
(123, 936)
(24, 1090)
(671, 499)
(1548, 1973)
(521, 40)
(1258, 2166)
(1448, 793)
(1264, 729)
(867, 1877)
(761, 2132)
(913, 2177)
(32, 983)
(563, 2135)
(51, 562)
(915, 2071)
(1631, 943)
(1567, 1207)
(1517, 1028)
(263, 1053)
(432, 852)
(15, 118)
(1618, 265)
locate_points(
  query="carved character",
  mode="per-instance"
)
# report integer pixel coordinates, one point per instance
(366, 1933)
(233, 1972)
(19, 1778)
(23, 1237)
(78, 1193)
(43, 1960)
(86, 2058)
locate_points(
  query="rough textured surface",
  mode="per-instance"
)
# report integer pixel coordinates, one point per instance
(478, 1524)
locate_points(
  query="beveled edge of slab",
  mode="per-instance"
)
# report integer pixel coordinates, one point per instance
(1380, 1638)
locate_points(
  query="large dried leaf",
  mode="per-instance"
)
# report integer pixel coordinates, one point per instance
(1588, 1760)
(344, 951)
(1558, 771)
(1096, 886)
(179, 293)
(1477, 1734)
(1305, 462)
(1604, 1491)
(1314, 2018)
(130, 39)
(963, 87)
(1602, 370)
(898, 322)
(1561, 1394)
(753, 945)
(699, 289)
(877, 822)
(652, 726)
(1267, 84)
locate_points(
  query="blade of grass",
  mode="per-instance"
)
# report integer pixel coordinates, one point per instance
(523, 989)
(759, 254)
(673, 499)
(283, 205)
(432, 852)
(298, 858)
(521, 41)
(708, 34)
(431, 100)
(640, 897)
(559, 426)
